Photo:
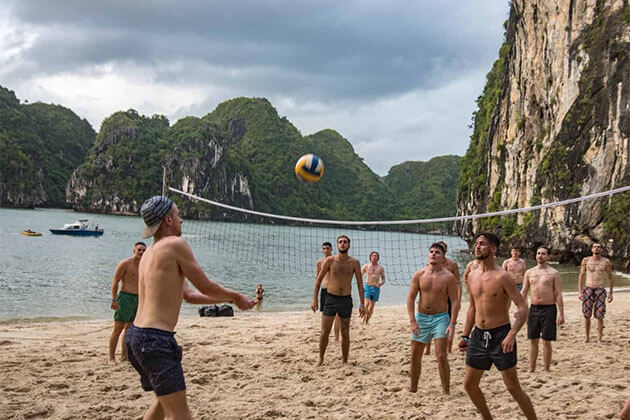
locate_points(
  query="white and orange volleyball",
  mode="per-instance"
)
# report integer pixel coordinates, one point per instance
(309, 168)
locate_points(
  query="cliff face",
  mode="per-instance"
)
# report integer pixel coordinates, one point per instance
(553, 123)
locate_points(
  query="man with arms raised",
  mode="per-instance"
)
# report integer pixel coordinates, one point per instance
(125, 301)
(436, 284)
(338, 299)
(327, 251)
(546, 289)
(593, 295)
(490, 289)
(516, 267)
(375, 279)
(163, 271)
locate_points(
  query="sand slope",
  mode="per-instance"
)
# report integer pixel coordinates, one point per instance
(261, 366)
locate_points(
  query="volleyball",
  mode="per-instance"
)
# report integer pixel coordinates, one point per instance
(309, 168)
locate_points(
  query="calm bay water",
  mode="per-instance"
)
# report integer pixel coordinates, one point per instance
(63, 276)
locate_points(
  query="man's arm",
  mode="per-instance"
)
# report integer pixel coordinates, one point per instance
(470, 314)
(611, 280)
(194, 296)
(411, 303)
(382, 276)
(213, 290)
(359, 276)
(119, 274)
(455, 304)
(581, 279)
(521, 317)
(525, 286)
(505, 264)
(557, 290)
(318, 281)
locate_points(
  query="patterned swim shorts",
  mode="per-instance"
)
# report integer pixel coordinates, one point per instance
(594, 297)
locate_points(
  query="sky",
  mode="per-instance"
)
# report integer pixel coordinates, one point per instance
(398, 79)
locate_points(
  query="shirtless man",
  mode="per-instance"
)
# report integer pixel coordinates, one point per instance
(338, 299)
(546, 292)
(436, 285)
(451, 266)
(150, 341)
(327, 251)
(593, 296)
(490, 289)
(125, 301)
(375, 279)
(516, 267)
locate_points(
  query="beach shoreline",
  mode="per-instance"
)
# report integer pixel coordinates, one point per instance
(262, 366)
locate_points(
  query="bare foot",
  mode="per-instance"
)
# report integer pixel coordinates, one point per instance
(111, 362)
(586, 340)
(321, 362)
(123, 358)
(410, 389)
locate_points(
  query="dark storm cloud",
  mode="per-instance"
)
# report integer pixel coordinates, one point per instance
(317, 50)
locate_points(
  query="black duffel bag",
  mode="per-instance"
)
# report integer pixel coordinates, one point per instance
(216, 310)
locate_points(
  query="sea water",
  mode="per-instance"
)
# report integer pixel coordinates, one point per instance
(58, 276)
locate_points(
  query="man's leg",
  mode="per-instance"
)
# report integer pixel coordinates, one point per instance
(547, 354)
(442, 361)
(155, 412)
(510, 378)
(624, 414)
(368, 304)
(327, 322)
(337, 329)
(472, 377)
(600, 329)
(123, 349)
(587, 328)
(113, 340)
(427, 348)
(370, 311)
(417, 348)
(345, 338)
(174, 406)
(533, 353)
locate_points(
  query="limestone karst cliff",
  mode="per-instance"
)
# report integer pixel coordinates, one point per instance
(553, 123)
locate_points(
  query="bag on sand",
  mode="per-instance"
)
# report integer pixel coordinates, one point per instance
(216, 310)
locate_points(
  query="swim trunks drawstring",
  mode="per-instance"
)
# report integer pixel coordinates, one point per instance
(487, 336)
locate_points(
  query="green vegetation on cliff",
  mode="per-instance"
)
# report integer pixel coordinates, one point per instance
(40, 146)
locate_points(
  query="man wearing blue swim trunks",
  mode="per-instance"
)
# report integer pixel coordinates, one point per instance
(493, 341)
(436, 285)
(162, 273)
(375, 279)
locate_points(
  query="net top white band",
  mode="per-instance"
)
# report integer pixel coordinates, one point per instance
(418, 221)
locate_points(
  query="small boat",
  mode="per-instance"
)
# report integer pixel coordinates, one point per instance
(29, 232)
(78, 228)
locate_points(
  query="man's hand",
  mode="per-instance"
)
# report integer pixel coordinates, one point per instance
(580, 296)
(463, 345)
(361, 311)
(450, 331)
(560, 319)
(415, 328)
(114, 305)
(508, 343)
(610, 297)
(314, 305)
(243, 302)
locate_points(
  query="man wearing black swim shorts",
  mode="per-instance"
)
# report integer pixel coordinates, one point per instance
(493, 341)
(162, 273)
(338, 301)
(543, 282)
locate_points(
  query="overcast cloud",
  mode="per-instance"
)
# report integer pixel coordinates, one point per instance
(398, 79)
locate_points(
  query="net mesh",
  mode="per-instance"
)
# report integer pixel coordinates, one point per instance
(292, 245)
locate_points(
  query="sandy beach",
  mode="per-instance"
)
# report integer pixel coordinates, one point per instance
(262, 366)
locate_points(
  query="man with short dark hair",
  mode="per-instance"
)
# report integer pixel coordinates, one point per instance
(493, 341)
(327, 251)
(163, 271)
(431, 319)
(125, 300)
(593, 295)
(375, 279)
(339, 297)
(547, 308)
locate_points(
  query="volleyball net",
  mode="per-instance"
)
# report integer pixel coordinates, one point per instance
(258, 241)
